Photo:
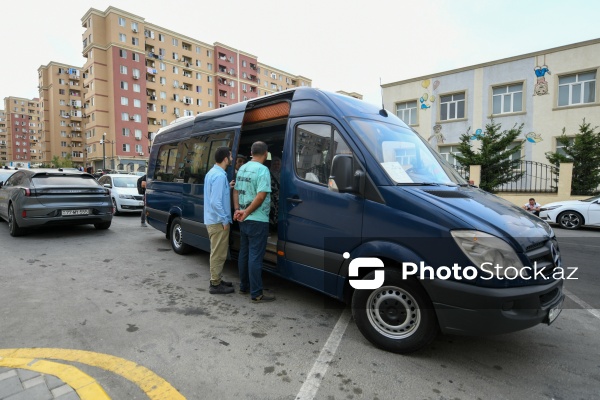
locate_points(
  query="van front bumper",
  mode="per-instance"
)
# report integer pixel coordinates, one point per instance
(473, 310)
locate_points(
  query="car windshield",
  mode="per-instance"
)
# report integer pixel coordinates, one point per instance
(592, 198)
(125, 182)
(404, 155)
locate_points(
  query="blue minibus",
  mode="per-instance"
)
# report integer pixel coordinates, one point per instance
(368, 213)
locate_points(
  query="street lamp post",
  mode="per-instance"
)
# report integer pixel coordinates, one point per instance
(104, 151)
(112, 153)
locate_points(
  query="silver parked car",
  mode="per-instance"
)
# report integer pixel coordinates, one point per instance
(44, 197)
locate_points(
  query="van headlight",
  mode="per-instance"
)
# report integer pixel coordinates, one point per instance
(490, 254)
(126, 196)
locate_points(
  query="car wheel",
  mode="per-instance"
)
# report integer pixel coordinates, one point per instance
(102, 225)
(177, 238)
(570, 220)
(13, 226)
(115, 209)
(397, 317)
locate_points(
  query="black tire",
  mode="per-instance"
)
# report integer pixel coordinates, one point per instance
(115, 209)
(176, 237)
(397, 317)
(102, 225)
(13, 226)
(570, 220)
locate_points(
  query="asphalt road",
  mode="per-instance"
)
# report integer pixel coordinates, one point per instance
(124, 292)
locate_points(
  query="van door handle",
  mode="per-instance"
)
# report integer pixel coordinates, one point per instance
(294, 200)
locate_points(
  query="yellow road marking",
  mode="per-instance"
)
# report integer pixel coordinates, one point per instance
(85, 386)
(153, 385)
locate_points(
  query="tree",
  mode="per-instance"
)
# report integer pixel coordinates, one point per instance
(495, 155)
(584, 152)
(66, 162)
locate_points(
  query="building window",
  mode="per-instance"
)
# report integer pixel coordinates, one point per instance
(121, 21)
(560, 148)
(175, 42)
(163, 80)
(126, 132)
(138, 136)
(124, 85)
(124, 101)
(161, 37)
(135, 41)
(126, 147)
(137, 118)
(137, 103)
(507, 99)
(138, 147)
(135, 57)
(122, 53)
(122, 37)
(407, 112)
(449, 153)
(134, 26)
(175, 69)
(124, 116)
(162, 66)
(452, 106)
(577, 88)
(163, 95)
(136, 87)
(163, 109)
(123, 69)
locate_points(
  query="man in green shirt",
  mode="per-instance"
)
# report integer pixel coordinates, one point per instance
(252, 203)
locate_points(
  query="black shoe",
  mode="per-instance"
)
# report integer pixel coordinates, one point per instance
(220, 289)
(225, 283)
(263, 299)
(244, 291)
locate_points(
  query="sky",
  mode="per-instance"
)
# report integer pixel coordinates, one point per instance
(341, 45)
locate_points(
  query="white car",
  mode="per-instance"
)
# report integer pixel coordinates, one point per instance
(124, 193)
(572, 214)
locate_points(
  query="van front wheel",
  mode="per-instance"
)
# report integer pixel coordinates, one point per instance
(397, 317)
(177, 237)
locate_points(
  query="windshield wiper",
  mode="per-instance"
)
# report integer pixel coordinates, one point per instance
(418, 184)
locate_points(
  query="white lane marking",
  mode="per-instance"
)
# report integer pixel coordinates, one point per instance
(309, 389)
(582, 303)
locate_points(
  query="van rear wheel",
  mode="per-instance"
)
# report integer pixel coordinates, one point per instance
(397, 317)
(176, 237)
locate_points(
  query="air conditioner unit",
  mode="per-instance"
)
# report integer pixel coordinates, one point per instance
(155, 122)
(134, 30)
(136, 77)
(181, 87)
(141, 153)
(132, 118)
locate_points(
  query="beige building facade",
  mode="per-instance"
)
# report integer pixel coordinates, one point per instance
(61, 103)
(139, 76)
(545, 91)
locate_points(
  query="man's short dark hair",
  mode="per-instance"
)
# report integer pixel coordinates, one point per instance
(259, 148)
(222, 153)
(532, 199)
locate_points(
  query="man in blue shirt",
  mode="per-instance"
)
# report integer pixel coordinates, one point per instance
(251, 197)
(217, 218)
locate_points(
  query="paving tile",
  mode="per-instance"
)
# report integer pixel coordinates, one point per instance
(10, 386)
(26, 374)
(37, 392)
(38, 380)
(8, 374)
(69, 396)
(59, 391)
(53, 382)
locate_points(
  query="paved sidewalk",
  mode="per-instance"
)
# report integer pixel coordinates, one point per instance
(22, 384)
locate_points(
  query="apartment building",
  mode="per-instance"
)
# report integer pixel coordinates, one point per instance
(139, 76)
(547, 91)
(61, 102)
(20, 131)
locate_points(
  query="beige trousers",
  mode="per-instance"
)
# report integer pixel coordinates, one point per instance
(219, 244)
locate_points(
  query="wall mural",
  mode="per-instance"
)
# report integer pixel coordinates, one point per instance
(541, 86)
(477, 135)
(533, 137)
(437, 134)
(428, 97)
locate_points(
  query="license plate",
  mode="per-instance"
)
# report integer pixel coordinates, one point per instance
(554, 312)
(75, 212)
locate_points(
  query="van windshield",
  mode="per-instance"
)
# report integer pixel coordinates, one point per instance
(404, 155)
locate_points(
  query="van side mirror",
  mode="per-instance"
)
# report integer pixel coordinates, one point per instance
(344, 176)
(107, 185)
